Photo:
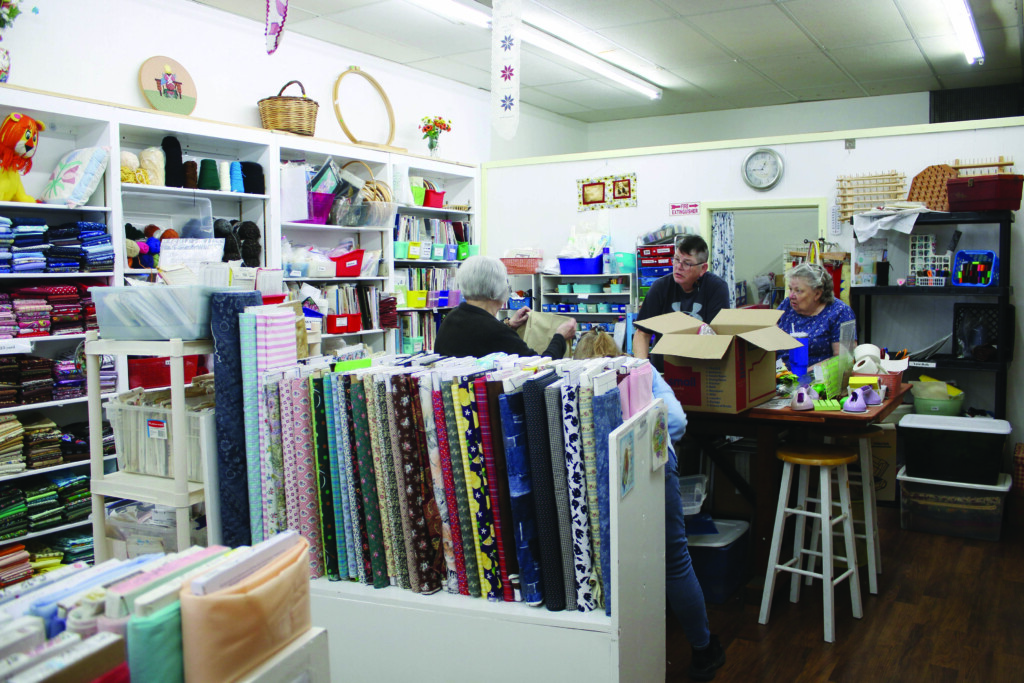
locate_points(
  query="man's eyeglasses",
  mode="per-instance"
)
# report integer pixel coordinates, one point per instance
(685, 265)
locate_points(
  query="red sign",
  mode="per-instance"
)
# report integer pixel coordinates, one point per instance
(685, 209)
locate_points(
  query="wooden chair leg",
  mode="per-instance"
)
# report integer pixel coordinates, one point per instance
(798, 537)
(773, 556)
(851, 549)
(867, 478)
(827, 588)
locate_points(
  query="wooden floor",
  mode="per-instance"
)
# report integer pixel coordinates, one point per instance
(947, 610)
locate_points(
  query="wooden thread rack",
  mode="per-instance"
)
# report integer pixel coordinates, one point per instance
(859, 193)
(982, 167)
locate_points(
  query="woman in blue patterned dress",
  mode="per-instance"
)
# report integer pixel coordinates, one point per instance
(812, 309)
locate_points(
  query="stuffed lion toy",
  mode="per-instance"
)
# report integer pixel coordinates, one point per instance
(19, 137)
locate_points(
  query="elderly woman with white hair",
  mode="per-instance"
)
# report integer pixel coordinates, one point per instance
(811, 308)
(472, 328)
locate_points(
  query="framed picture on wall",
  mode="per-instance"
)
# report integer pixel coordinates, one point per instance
(593, 193)
(167, 86)
(621, 188)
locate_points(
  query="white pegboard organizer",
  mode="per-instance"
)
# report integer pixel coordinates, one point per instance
(923, 257)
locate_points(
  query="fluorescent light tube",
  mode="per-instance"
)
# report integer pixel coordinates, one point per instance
(456, 12)
(966, 32)
(555, 46)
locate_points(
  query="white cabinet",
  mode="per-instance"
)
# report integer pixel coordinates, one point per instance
(599, 299)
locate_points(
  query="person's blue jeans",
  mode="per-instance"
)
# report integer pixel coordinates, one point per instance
(682, 589)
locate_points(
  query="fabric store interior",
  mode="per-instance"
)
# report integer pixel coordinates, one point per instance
(526, 334)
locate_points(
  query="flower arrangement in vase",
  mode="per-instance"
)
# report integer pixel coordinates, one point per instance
(432, 127)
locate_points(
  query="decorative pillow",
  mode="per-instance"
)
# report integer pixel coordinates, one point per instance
(76, 176)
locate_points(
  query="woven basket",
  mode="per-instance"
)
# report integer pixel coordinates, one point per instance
(521, 265)
(374, 190)
(288, 113)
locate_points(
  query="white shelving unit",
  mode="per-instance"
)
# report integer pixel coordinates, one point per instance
(549, 294)
(179, 492)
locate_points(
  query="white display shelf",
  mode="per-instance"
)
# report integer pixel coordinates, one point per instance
(425, 309)
(321, 227)
(584, 295)
(31, 407)
(160, 190)
(55, 468)
(54, 276)
(51, 531)
(328, 335)
(147, 488)
(47, 208)
(304, 660)
(424, 262)
(344, 278)
(167, 347)
(433, 211)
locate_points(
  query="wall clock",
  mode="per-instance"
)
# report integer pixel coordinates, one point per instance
(762, 169)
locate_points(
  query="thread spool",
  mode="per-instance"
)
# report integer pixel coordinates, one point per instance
(224, 175)
(191, 175)
(209, 178)
(236, 177)
(252, 177)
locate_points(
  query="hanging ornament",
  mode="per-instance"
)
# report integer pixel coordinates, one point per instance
(506, 21)
(277, 12)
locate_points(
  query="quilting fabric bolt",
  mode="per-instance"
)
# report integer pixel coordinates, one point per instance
(374, 550)
(553, 404)
(517, 459)
(309, 504)
(576, 481)
(337, 422)
(338, 485)
(586, 399)
(392, 468)
(328, 530)
(431, 512)
(461, 494)
(490, 577)
(229, 417)
(289, 456)
(491, 470)
(363, 567)
(250, 394)
(607, 417)
(472, 495)
(383, 487)
(461, 583)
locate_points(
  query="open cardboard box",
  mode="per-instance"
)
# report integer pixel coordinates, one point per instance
(727, 372)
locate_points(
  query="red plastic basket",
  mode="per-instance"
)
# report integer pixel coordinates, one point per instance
(350, 264)
(344, 323)
(152, 373)
(521, 266)
(891, 381)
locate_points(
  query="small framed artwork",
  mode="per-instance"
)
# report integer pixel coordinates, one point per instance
(593, 193)
(167, 86)
(621, 188)
(627, 464)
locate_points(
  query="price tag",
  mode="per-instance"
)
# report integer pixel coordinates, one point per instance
(921, 364)
(583, 297)
(295, 273)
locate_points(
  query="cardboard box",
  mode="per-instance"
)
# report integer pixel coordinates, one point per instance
(883, 458)
(727, 372)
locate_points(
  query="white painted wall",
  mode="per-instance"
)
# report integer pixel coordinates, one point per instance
(94, 48)
(784, 119)
(534, 203)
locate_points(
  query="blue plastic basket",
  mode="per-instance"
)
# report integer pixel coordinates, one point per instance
(580, 266)
(965, 271)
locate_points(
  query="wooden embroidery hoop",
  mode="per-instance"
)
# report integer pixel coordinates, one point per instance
(387, 105)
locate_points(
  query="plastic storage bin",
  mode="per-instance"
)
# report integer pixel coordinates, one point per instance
(348, 265)
(719, 560)
(693, 490)
(150, 373)
(154, 313)
(143, 439)
(985, 193)
(580, 266)
(960, 449)
(975, 269)
(433, 198)
(952, 508)
(344, 323)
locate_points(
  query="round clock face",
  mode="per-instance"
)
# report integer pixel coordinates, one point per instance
(762, 169)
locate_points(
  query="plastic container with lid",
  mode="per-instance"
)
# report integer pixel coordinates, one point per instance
(719, 560)
(959, 449)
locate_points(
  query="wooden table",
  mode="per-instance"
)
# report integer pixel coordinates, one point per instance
(765, 425)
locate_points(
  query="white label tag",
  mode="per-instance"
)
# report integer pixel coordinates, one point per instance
(295, 273)
(921, 364)
(156, 429)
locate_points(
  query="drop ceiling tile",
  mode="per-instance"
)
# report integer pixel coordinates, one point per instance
(535, 68)
(835, 91)
(899, 86)
(767, 98)
(550, 102)
(411, 25)
(694, 7)
(452, 70)
(927, 18)
(996, 14)
(753, 33)
(850, 24)
(243, 8)
(360, 41)
(887, 61)
(807, 70)
(945, 55)
(595, 94)
(1002, 47)
(596, 14)
(668, 44)
(719, 78)
(326, 7)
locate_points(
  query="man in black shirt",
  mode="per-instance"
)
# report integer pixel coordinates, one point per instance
(472, 328)
(690, 288)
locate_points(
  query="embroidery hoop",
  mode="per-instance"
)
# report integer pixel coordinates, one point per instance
(384, 98)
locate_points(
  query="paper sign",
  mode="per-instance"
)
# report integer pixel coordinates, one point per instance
(685, 209)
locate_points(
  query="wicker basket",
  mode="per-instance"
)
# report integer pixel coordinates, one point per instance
(288, 113)
(521, 266)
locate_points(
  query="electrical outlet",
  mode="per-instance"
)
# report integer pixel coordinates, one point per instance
(851, 143)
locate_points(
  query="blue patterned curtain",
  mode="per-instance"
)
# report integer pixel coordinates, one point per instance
(723, 259)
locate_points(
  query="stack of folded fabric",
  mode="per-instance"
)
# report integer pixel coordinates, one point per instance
(42, 442)
(75, 547)
(12, 441)
(45, 559)
(14, 565)
(44, 508)
(68, 382)
(66, 254)
(97, 248)
(66, 313)
(108, 375)
(75, 441)
(36, 380)
(8, 321)
(73, 491)
(88, 308)
(13, 512)
(10, 381)
(29, 249)
(6, 241)
(32, 311)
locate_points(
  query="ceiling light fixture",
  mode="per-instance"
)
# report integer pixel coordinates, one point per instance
(550, 43)
(966, 31)
(464, 14)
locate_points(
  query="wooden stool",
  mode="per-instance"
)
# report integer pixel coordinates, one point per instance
(868, 496)
(826, 459)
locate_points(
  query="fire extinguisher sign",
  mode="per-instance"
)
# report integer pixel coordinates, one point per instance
(685, 209)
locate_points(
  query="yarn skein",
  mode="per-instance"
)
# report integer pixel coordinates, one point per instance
(209, 179)
(151, 160)
(224, 174)
(174, 168)
(236, 177)
(252, 178)
(191, 175)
